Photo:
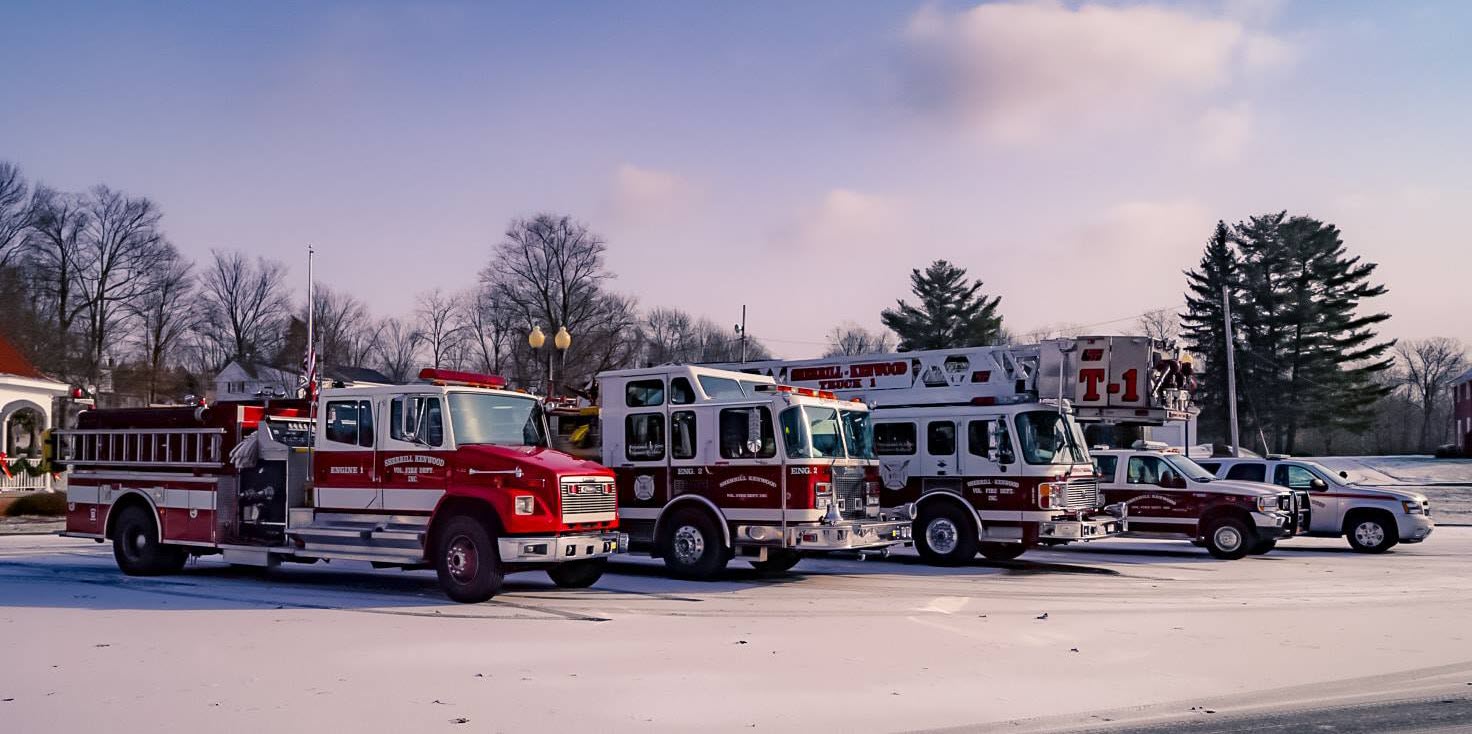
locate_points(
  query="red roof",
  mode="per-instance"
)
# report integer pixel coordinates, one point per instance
(12, 362)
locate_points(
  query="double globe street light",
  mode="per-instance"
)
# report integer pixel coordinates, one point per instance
(561, 340)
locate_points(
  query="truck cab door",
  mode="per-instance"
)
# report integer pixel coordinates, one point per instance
(414, 454)
(982, 463)
(940, 459)
(344, 463)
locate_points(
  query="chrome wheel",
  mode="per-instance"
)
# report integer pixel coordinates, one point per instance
(689, 545)
(1369, 533)
(942, 535)
(1227, 538)
(462, 560)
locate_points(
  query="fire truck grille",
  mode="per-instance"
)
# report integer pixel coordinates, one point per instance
(588, 500)
(1081, 494)
(848, 491)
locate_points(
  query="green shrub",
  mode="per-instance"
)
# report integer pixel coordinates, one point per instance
(39, 503)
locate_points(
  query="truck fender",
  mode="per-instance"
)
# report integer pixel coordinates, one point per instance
(453, 505)
(953, 497)
(698, 500)
(1217, 510)
(128, 497)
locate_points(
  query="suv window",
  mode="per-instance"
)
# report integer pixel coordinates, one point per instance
(1248, 472)
(1104, 466)
(1211, 466)
(894, 439)
(1146, 470)
(940, 438)
(1292, 476)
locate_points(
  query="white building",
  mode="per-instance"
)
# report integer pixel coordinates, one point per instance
(251, 380)
(25, 415)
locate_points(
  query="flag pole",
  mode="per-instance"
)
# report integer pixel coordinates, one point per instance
(309, 370)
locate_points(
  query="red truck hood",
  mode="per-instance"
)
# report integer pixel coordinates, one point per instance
(531, 458)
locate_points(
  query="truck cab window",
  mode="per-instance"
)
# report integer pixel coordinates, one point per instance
(979, 438)
(644, 437)
(682, 432)
(342, 421)
(1146, 470)
(736, 433)
(681, 393)
(644, 393)
(425, 408)
(894, 439)
(1293, 476)
(1104, 466)
(720, 388)
(940, 438)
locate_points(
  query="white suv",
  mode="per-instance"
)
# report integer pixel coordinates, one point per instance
(1372, 518)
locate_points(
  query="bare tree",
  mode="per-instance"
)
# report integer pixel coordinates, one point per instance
(165, 313)
(120, 246)
(244, 303)
(489, 328)
(1429, 366)
(343, 328)
(669, 337)
(1162, 323)
(54, 256)
(15, 212)
(438, 322)
(397, 349)
(850, 339)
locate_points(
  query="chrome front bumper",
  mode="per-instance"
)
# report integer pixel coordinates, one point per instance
(561, 548)
(1092, 528)
(850, 535)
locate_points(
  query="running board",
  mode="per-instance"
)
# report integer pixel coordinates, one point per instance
(368, 541)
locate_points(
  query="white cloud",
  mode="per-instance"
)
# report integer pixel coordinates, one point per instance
(845, 217)
(1224, 132)
(1016, 72)
(646, 195)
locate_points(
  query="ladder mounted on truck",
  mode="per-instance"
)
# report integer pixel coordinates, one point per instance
(143, 448)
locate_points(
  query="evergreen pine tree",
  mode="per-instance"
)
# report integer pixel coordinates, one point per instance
(1202, 328)
(952, 312)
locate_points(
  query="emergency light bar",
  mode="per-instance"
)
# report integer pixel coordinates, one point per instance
(804, 391)
(464, 379)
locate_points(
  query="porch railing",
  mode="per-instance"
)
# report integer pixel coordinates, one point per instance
(20, 479)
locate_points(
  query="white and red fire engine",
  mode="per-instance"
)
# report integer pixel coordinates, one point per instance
(714, 465)
(453, 472)
(983, 447)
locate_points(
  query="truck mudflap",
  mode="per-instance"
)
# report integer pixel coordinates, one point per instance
(1111, 521)
(561, 548)
(850, 535)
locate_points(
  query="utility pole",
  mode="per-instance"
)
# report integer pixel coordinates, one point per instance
(741, 330)
(1231, 368)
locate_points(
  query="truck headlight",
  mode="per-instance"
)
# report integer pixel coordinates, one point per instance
(823, 495)
(1050, 495)
(1412, 507)
(1267, 504)
(525, 504)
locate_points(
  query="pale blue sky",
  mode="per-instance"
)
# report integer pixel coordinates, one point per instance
(799, 158)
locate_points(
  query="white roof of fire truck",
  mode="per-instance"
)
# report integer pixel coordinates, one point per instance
(710, 385)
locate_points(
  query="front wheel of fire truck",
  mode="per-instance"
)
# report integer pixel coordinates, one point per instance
(779, 560)
(136, 546)
(1002, 551)
(692, 545)
(1228, 538)
(468, 561)
(945, 534)
(578, 574)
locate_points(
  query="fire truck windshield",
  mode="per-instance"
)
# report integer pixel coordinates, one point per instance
(858, 434)
(1047, 437)
(507, 420)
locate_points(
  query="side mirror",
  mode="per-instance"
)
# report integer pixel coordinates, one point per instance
(754, 431)
(1318, 484)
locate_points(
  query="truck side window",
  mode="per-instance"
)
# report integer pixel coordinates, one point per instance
(1211, 466)
(979, 438)
(720, 387)
(1104, 466)
(940, 438)
(682, 433)
(432, 433)
(681, 393)
(1292, 476)
(365, 424)
(894, 439)
(1144, 470)
(342, 421)
(644, 437)
(791, 420)
(1248, 472)
(735, 425)
(644, 393)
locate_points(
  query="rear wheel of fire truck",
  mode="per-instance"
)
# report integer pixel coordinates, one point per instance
(779, 560)
(1266, 545)
(692, 545)
(137, 549)
(1228, 538)
(1370, 532)
(468, 561)
(1002, 551)
(945, 534)
(578, 574)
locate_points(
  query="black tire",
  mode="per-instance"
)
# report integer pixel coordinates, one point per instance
(779, 560)
(136, 546)
(1002, 551)
(467, 560)
(692, 544)
(1371, 532)
(1266, 545)
(945, 534)
(1228, 538)
(578, 574)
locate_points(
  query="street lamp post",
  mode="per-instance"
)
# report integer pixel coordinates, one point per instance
(561, 341)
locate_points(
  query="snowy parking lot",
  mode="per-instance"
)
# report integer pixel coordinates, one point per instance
(1089, 635)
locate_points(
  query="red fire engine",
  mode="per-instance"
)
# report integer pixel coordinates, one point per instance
(453, 472)
(714, 465)
(983, 447)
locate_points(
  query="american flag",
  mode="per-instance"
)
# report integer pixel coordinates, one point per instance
(308, 386)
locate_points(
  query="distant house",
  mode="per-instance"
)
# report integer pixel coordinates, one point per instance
(1462, 412)
(251, 380)
(25, 413)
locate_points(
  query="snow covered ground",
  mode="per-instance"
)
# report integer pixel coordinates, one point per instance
(1114, 630)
